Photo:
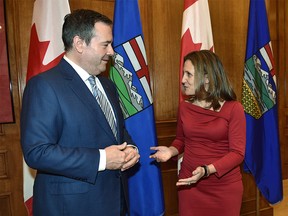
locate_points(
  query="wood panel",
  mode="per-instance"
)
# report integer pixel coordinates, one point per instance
(3, 164)
(282, 71)
(22, 21)
(5, 204)
(229, 34)
(165, 29)
(11, 195)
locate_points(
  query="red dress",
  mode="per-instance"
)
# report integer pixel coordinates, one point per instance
(209, 137)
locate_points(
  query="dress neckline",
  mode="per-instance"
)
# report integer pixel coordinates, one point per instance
(211, 110)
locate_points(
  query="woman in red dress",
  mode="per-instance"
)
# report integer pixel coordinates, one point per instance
(211, 134)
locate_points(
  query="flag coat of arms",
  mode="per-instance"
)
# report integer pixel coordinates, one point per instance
(259, 98)
(131, 76)
(45, 51)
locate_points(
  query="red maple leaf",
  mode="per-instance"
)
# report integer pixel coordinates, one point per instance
(37, 51)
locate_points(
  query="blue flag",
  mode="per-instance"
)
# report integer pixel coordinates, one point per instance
(131, 76)
(259, 99)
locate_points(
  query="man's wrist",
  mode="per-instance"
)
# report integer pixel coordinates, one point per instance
(133, 146)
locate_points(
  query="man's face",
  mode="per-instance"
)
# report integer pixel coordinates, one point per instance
(96, 55)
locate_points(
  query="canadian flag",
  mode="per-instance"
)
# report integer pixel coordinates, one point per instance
(196, 35)
(45, 51)
(196, 31)
(46, 47)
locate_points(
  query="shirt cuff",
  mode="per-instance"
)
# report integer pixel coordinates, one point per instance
(133, 146)
(102, 162)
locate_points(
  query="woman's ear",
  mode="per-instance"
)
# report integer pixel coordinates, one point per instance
(206, 79)
(206, 82)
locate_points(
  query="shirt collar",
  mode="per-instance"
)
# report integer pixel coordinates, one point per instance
(80, 71)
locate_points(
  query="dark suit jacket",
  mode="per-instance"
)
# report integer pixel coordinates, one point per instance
(62, 130)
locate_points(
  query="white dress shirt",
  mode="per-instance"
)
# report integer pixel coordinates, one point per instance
(84, 76)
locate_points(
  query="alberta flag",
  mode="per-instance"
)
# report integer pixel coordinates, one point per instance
(259, 98)
(131, 76)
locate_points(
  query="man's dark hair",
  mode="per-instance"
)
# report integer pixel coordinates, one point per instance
(81, 23)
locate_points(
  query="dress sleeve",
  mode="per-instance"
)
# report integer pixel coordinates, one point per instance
(237, 142)
(178, 143)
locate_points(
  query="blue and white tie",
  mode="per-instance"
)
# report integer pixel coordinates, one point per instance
(104, 104)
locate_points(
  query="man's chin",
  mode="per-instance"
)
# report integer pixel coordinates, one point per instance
(103, 66)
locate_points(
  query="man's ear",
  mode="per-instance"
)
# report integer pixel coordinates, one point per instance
(79, 44)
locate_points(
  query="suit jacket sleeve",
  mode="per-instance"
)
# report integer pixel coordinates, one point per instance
(42, 128)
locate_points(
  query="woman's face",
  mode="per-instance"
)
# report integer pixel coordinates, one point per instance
(188, 78)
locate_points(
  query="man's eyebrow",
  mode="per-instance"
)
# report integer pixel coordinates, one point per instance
(108, 41)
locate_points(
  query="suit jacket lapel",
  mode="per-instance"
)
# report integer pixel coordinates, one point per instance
(85, 96)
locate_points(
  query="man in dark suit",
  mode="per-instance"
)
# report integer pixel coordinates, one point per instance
(65, 135)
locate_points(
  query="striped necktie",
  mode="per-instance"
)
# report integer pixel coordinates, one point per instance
(103, 103)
